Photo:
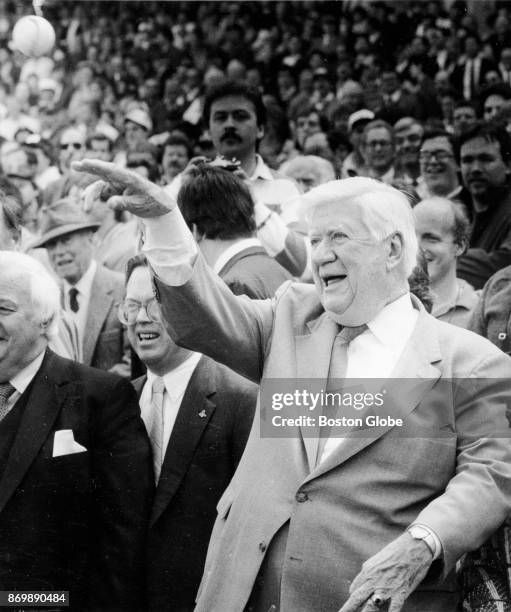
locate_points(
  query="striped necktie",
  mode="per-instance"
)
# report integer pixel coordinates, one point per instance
(156, 430)
(6, 390)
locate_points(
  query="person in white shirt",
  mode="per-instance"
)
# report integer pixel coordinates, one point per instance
(443, 231)
(361, 523)
(235, 115)
(198, 415)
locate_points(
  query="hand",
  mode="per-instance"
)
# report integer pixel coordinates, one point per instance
(123, 189)
(390, 575)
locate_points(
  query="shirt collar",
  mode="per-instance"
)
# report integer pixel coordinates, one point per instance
(176, 380)
(23, 378)
(262, 171)
(233, 250)
(394, 322)
(84, 285)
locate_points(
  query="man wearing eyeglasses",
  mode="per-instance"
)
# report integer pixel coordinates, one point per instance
(378, 150)
(71, 148)
(198, 416)
(439, 169)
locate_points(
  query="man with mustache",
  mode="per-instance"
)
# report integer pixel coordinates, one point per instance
(485, 156)
(176, 155)
(235, 115)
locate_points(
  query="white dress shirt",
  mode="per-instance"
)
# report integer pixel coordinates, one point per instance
(84, 287)
(23, 378)
(176, 381)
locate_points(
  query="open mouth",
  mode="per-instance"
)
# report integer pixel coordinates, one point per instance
(331, 280)
(147, 336)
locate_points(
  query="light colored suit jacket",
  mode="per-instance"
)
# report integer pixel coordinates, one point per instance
(104, 343)
(368, 490)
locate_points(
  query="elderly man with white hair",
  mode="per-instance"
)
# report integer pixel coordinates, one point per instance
(75, 467)
(357, 517)
(308, 171)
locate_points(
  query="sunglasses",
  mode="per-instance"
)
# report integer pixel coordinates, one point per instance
(75, 145)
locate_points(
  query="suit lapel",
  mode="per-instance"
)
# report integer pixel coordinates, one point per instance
(192, 419)
(313, 352)
(100, 302)
(44, 403)
(413, 376)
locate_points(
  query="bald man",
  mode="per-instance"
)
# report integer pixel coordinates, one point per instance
(443, 229)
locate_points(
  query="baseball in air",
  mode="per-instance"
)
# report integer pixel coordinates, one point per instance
(33, 36)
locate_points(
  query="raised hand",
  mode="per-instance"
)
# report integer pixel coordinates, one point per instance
(123, 189)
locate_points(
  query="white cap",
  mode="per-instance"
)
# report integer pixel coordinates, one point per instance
(363, 114)
(140, 117)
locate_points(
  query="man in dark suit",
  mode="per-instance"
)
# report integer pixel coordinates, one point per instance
(218, 208)
(364, 520)
(90, 292)
(198, 415)
(485, 162)
(470, 74)
(75, 470)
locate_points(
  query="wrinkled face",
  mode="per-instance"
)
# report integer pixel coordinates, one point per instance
(378, 149)
(435, 233)
(174, 160)
(70, 255)
(135, 134)
(438, 165)
(100, 149)
(21, 331)
(408, 143)
(233, 126)
(492, 105)
(349, 265)
(482, 167)
(148, 338)
(306, 177)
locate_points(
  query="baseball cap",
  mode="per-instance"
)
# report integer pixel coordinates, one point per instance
(363, 114)
(140, 117)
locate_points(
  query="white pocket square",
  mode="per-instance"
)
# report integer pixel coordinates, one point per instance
(65, 444)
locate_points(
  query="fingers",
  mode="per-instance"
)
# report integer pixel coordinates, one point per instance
(397, 603)
(112, 173)
(356, 599)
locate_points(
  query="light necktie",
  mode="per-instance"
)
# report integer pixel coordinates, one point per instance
(156, 430)
(73, 301)
(6, 390)
(336, 372)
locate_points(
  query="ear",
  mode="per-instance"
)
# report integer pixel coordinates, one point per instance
(195, 233)
(460, 248)
(395, 250)
(260, 132)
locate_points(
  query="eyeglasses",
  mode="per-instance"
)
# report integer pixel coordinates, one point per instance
(69, 145)
(129, 309)
(441, 156)
(383, 144)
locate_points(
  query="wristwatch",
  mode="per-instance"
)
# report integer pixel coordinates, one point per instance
(418, 532)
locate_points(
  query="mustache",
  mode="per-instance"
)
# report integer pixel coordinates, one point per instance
(231, 134)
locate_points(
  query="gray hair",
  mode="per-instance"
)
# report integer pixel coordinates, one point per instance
(320, 166)
(44, 290)
(386, 210)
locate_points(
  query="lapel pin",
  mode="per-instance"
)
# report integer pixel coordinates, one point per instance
(203, 414)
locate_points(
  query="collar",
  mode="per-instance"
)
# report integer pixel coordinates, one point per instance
(262, 171)
(177, 379)
(466, 298)
(84, 285)
(233, 250)
(23, 378)
(398, 315)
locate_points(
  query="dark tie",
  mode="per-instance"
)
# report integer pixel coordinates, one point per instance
(337, 372)
(6, 390)
(73, 302)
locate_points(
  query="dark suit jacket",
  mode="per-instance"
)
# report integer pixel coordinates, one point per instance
(76, 522)
(206, 444)
(254, 273)
(490, 244)
(459, 72)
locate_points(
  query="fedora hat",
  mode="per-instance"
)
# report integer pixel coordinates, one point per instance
(63, 217)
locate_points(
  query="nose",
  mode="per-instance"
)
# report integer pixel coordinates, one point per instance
(322, 253)
(142, 315)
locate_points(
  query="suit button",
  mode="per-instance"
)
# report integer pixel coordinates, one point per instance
(262, 546)
(301, 496)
